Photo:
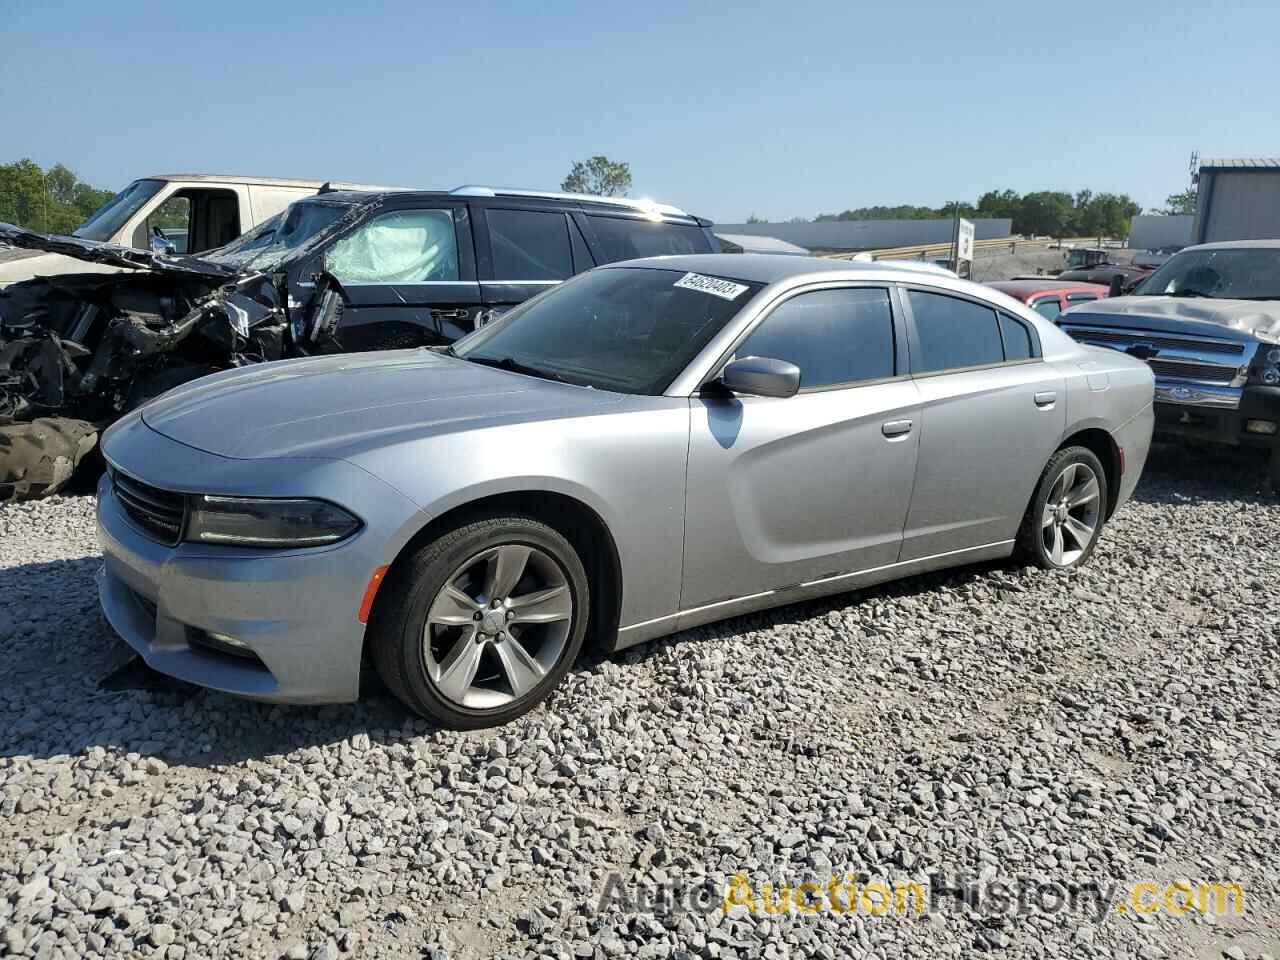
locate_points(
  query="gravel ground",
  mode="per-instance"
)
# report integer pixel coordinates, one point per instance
(992, 725)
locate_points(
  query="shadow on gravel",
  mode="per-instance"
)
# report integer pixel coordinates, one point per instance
(1180, 473)
(70, 684)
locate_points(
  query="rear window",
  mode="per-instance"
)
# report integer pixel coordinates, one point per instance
(954, 333)
(529, 245)
(624, 239)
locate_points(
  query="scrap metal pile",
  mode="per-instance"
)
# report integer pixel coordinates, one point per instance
(79, 350)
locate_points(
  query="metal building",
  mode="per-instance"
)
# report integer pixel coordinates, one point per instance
(1160, 231)
(1237, 199)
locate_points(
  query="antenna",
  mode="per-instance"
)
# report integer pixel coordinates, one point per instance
(1194, 166)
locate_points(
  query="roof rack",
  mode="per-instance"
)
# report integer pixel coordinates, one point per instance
(648, 207)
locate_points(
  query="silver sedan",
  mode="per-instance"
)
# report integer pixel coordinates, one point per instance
(647, 447)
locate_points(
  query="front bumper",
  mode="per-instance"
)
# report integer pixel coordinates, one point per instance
(1217, 415)
(294, 610)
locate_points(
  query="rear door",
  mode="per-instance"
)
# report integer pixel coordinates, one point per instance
(410, 277)
(992, 414)
(524, 248)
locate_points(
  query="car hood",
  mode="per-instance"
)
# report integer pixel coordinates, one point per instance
(1240, 318)
(110, 254)
(337, 406)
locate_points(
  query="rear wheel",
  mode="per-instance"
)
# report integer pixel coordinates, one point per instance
(1065, 518)
(482, 623)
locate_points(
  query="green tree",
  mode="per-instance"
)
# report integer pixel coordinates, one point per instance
(53, 201)
(599, 176)
(1179, 203)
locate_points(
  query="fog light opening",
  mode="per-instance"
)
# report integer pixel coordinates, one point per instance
(1264, 427)
(222, 643)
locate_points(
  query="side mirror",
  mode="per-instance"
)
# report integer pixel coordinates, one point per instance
(1117, 286)
(761, 377)
(161, 244)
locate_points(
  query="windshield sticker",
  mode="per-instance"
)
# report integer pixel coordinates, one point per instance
(724, 289)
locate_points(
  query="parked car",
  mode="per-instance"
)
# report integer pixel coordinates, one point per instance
(170, 213)
(1208, 323)
(342, 271)
(648, 447)
(1049, 296)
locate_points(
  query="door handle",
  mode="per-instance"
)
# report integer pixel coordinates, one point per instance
(1046, 399)
(895, 428)
(449, 314)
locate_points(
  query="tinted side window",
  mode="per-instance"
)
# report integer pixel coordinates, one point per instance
(624, 239)
(833, 336)
(1048, 308)
(403, 246)
(954, 332)
(529, 245)
(1017, 339)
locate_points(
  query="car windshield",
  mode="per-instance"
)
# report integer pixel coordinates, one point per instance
(263, 247)
(1232, 274)
(628, 329)
(107, 220)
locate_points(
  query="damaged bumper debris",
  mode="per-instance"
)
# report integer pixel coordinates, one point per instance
(79, 350)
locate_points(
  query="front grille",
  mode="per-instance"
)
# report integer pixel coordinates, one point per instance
(1191, 370)
(1200, 359)
(159, 513)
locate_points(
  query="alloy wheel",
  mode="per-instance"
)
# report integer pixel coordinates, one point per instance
(1071, 515)
(498, 626)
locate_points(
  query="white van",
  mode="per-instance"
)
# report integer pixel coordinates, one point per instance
(174, 213)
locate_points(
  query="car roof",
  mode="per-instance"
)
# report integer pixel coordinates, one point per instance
(1235, 245)
(607, 205)
(270, 181)
(772, 267)
(1027, 288)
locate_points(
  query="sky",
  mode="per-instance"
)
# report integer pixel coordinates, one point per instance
(780, 109)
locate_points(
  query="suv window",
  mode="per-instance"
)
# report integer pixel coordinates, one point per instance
(954, 333)
(833, 336)
(402, 246)
(623, 239)
(1049, 307)
(529, 245)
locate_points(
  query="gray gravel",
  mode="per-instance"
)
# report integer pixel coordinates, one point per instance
(1117, 724)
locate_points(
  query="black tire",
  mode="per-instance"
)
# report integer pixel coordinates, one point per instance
(398, 341)
(1275, 469)
(399, 618)
(1031, 543)
(40, 457)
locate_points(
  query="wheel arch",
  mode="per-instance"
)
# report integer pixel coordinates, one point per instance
(1102, 445)
(573, 518)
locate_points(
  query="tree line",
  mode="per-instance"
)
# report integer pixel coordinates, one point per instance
(1054, 213)
(47, 201)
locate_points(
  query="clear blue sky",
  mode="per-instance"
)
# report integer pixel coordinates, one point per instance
(781, 109)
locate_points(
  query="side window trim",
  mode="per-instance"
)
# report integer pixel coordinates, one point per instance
(914, 337)
(901, 370)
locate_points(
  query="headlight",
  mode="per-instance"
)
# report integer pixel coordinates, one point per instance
(253, 522)
(1266, 368)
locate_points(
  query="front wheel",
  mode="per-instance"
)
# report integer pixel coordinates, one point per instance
(482, 623)
(1065, 518)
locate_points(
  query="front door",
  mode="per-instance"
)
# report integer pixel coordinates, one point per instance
(784, 491)
(409, 275)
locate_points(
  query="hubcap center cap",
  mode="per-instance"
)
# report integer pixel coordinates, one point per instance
(493, 621)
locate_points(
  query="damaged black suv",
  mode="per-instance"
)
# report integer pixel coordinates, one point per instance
(336, 272)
